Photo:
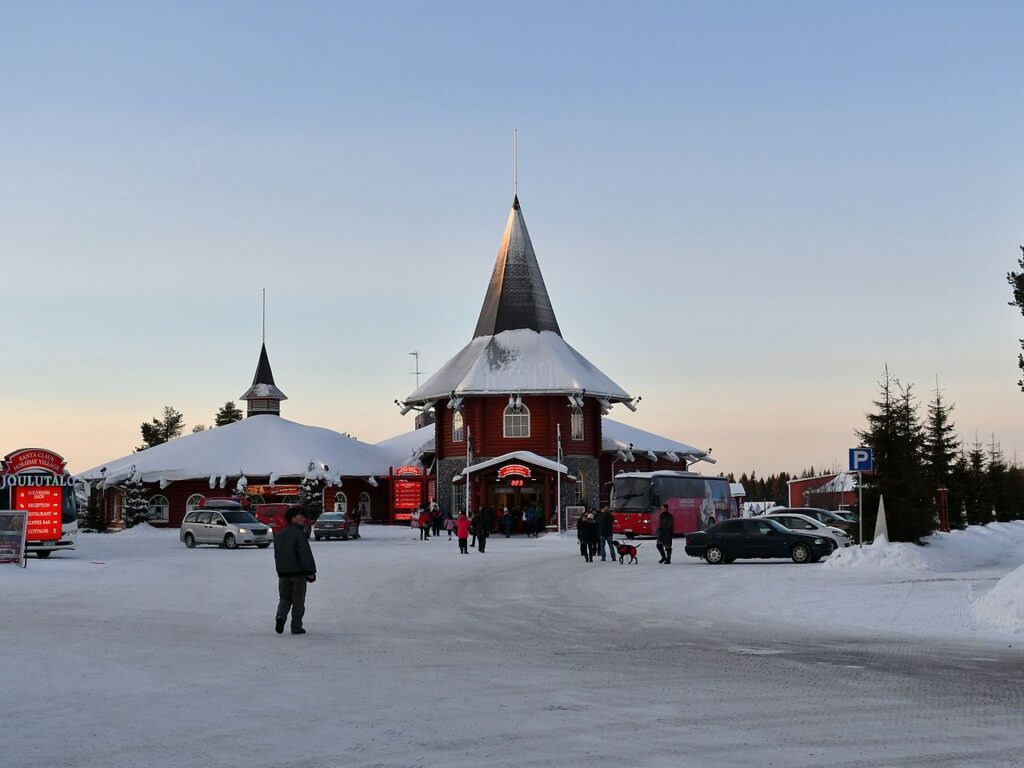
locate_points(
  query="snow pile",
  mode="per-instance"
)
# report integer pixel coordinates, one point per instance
(147, 531)
(978, 546)
(1003, 606)
(900, 556)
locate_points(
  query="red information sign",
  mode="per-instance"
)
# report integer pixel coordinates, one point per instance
(43, 506)
(33, 458)
(408, 493)
(409, 470)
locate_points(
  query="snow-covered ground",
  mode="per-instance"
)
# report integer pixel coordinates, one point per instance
(134, 650)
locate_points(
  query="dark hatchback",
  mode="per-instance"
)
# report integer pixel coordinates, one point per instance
(761, 538)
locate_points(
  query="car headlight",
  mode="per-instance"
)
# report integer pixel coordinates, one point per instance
(242, 530)
(818, 541)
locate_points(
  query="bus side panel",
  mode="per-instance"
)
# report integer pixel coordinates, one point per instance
(686, 513)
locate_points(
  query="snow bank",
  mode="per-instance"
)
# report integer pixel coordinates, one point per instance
(147, 531)
(1003, 606)
(898, 556)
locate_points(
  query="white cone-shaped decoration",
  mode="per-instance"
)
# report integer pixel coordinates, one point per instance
(881, 531)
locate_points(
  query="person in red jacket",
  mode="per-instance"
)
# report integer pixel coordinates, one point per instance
(462, 531)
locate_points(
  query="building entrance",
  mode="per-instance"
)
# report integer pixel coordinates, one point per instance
(518, 500)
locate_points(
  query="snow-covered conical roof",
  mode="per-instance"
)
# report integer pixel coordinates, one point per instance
(516, 297)
(271, 446)
(517, 345)
(263, 387)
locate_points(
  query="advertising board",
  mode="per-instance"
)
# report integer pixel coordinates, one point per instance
(12, 537)
(43, 506)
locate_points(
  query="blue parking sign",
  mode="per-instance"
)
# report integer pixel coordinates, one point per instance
(861, 459)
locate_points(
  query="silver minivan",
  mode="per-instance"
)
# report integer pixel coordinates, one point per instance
(226, 527)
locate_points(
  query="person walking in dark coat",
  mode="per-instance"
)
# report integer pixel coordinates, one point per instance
(605, 524)
(354, 518)
(586, 533)
(484, 524)
(506, 522)
(295, 569)
(666, 526)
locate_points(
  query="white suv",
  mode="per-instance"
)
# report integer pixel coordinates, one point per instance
(225, 527)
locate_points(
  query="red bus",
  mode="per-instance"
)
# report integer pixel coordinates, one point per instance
(695, 501)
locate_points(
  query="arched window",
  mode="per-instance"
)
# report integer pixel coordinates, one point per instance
(517, 421)
(578, 494)
(159, 509)
(458, 429)
(364, 505)
(192, 502)
(576, 424)
(340, 502)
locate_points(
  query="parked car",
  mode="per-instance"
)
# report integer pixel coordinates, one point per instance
(273, 516)
(758, 537)
(825, 516)
(225, 526)
(331, 525)
(808, 524)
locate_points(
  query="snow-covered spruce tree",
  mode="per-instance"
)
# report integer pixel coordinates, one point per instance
(311, 497)
(896, 437)
(136, 509)
(228, 414)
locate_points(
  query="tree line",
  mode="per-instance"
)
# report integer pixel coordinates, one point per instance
(171, 424)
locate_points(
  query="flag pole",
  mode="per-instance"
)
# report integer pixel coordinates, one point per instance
(558, 482)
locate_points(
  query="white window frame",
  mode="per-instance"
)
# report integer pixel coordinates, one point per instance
(516, 418)
(576, 430)
(341, 498)
(153, 509)
(578, 490)
(192, 502)
(364, 506)
(458, 498)
(458, 427)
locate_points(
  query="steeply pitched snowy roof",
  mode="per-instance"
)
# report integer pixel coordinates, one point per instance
(259, 447)
(409, 445)
(516, 297)
(263, 386)
(523, 361)
(517, 345)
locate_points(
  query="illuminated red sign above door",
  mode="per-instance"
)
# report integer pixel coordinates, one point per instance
(514, 470)
(408, 471)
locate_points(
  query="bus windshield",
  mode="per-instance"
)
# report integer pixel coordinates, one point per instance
(631, 494)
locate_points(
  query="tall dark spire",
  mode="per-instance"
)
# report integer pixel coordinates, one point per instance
(516, 297)
(263, 396)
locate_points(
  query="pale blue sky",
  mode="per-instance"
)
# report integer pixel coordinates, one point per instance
(743, 212)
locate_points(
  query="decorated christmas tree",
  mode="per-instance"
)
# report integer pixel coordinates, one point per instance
(136, 508)
(311, 498)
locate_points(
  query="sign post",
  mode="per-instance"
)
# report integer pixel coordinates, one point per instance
(861, 460)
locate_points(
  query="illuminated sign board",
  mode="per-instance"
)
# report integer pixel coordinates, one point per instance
(38, 479)
(272, 490)
(408, 471)
(408, 494)
(514, 470)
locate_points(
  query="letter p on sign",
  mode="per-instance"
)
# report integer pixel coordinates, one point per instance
(861, 460)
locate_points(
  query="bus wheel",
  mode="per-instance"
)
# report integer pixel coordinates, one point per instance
(800, 553)
(190, 540)
(229, 541)
(43, 553)
(714, 556)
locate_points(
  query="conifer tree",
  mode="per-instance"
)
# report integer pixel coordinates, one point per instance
(161, 430)
(995, 482)
(941, 448)
(896, 437)
(94, 518)
(311, 497)
(1016, 281)
(976, 505)
(136, 509)
(228, 414)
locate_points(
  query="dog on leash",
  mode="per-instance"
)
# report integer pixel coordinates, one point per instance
(626, 550)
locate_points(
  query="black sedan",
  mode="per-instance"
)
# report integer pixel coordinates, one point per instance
(761, 538)
(331, 525)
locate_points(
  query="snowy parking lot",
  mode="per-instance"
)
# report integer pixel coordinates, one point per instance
(134, 650)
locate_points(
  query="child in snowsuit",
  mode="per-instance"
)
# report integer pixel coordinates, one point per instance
(462, 531)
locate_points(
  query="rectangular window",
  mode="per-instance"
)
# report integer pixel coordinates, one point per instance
(576, 424)
(458, 498)
(458, 430)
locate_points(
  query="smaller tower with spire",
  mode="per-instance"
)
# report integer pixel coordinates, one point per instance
(263, 397)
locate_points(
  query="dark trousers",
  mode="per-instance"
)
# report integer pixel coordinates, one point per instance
(586, 549)
(292, 593)
(665, 547)
(463, 548)
(481, 539)
(424, 534)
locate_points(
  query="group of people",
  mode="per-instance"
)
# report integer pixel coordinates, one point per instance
(431, 520)
(594, 531)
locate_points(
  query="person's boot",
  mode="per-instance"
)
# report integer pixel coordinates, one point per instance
(279, 626)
